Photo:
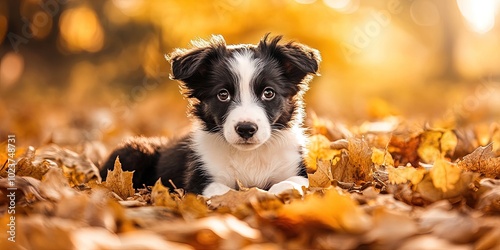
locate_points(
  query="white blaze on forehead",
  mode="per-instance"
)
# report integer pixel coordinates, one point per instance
(245, 68)
(247, 108)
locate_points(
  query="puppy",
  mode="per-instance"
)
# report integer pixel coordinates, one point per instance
(246, 103)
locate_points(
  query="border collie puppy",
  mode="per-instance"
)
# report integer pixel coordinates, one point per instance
(246, 102)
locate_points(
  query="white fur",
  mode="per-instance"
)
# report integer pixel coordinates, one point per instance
(247, 109)
(275, 161)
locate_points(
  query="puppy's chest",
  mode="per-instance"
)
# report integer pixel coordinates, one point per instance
(258, 168)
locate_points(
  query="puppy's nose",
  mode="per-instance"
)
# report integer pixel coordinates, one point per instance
(246, 129)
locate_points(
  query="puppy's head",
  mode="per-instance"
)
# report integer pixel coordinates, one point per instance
(244, 92)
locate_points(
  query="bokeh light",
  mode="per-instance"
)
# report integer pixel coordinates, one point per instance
(62, 61)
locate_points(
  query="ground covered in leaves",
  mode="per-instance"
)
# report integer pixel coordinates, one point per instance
(380, 185)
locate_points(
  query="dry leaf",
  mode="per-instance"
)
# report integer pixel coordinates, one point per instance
(160, 196)
(318, 149)
(354, 164)
(436, 144)
(444, 175)
(461, 188)
(323, 177)
(29, 165)
(404, 174)
(119, 181)
(333, 209)
(404, 150)
(482, 161)
(78, 169)
(382, 157)
(235, 199)
(390, 228)
(55, 186)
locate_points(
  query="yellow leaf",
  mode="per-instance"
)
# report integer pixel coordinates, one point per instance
(435, 144)
(428, 150)
(333, 209)
(382, 157)
(445, 175)
(120, 182)
(404, 174)
(160, 196)
(318, 149)
(449, 142)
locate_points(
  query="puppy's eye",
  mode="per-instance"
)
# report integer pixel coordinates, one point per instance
(268, 94)
(223, 95)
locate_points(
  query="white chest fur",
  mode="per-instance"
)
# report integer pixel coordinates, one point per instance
(274, 161)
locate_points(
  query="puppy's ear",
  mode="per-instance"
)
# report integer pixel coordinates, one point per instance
(191, 66)
(297, 60)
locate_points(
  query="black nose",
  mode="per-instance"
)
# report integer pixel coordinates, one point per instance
(246, 129)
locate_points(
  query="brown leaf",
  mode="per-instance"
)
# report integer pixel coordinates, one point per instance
(489, 201)
(323, 177)
(160, 196)
(27, 190)
(235, 199)
(482, 161)
(448, 224)
(354, 164)
(390, 228)
(55, 186)
(78, 168)
(404, 150)
(29, 165)
(120, 182)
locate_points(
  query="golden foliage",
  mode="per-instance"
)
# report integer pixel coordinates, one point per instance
(120, 182)
(343, 214)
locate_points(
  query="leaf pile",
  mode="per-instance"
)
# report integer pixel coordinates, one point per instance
(397, 187)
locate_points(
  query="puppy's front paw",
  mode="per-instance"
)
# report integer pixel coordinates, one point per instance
(214, 189)
(295, 182)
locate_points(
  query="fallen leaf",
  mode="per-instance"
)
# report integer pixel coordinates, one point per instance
(318, 149)
(119, 181)
(404, 174)
(390, 228)
(461, 188)
(322, 177)
(343, 214)
(55, 186)
(482, 161)
(404, 149)
(436, 144)
(29, 165)
(382, 157)
(354, 164)
(235, 199)
(448, 224)
(445, 174)
(77, 168)
(160, 196)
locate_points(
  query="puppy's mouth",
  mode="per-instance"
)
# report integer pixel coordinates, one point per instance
(246, 145)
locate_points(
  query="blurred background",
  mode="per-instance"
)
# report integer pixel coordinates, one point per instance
(82, 71)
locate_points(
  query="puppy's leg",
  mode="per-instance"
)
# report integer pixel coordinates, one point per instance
(294, 182)
(215, 188)
(138, 154)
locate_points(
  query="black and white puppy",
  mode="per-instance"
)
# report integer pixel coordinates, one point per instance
(246, 102)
